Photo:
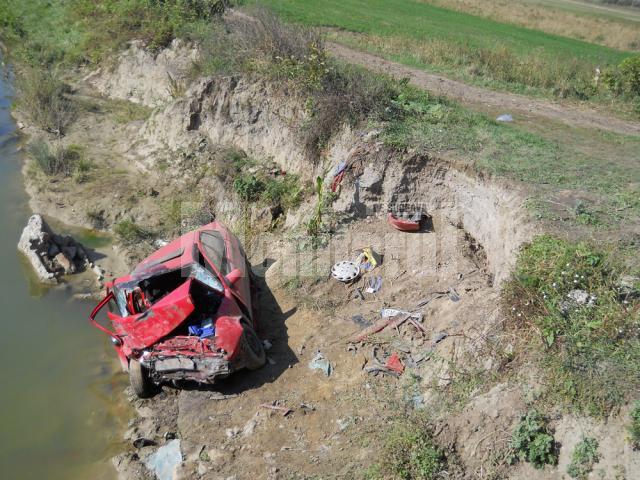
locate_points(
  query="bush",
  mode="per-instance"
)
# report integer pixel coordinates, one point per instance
(634, 427)
(129, 233)
(630, 74)
(43, 97)
(590, 346)
(248, 187)
(57, 161)
(584, 456)
(532, 442)
(411, 453)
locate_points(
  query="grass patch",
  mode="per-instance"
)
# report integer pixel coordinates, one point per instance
(410, 452)
(44, 99)
(59, 160)
(584, 455)
(568, 296)
(424, 35)
(128, 232)
(533, 442)
(634, 427)
(72, 32)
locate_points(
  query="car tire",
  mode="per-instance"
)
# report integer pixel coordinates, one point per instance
(140, 380)
(253, 350)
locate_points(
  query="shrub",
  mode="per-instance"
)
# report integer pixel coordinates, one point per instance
(532, 442)
(634, 426)
(43, 97)
(411, 453)
(129, 233)
(589, 348)
(630, 74)
(584, 456)
(248, 187)
(57, 161)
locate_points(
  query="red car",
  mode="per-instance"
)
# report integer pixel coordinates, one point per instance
(185, 312)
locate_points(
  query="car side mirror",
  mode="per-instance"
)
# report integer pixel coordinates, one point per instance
(233, 276)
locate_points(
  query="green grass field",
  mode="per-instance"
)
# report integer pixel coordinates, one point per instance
(420, 21)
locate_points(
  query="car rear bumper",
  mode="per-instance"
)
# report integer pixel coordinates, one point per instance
(201, 369)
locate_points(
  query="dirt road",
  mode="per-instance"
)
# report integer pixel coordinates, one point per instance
(487, 100)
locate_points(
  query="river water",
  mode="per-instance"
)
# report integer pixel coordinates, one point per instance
(62, 410)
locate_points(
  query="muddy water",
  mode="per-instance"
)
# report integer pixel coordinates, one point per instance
(61, 405)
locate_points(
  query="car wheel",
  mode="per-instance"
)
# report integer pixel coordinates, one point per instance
(253, 350)
(140, 380)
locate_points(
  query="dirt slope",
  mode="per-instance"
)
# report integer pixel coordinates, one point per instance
(487, 100)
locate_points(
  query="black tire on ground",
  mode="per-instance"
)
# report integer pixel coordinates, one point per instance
(141, 383)
(253, 350)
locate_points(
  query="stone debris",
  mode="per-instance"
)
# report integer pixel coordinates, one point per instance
(50, 255)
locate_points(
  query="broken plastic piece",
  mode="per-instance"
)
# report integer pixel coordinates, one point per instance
(505, 118)
(403, 225)
(284, 410)
(320, 363)
(453, 295)
(375, 284)
(394, 364)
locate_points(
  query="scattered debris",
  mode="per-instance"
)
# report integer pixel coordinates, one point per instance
(165, 460)
(267, 344)
(359, 294)
(320, 363)
(394, 364)
(581, 297)
(367, 259)
(628, 287)
(232, 432)
(504, 118)
(440, 337)
(453, 295)
(307, 407)
(222, 396)
(345, 271)
(361, 321)
(273, 406)
(375, 284)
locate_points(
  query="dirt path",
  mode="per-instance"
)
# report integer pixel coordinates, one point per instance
(484, 98)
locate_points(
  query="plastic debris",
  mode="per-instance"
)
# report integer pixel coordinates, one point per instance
(283, 410)
(345, 271)
(505, 118)
(359, 294)
(165, 460)
(453, 295)
(394, 312)
(439, 337)
(375, 284)
(320, 363)
(367, 259)
(394, 364)
(361, 321)
(340, 168)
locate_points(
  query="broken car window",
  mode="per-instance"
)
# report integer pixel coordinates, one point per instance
(215, 250)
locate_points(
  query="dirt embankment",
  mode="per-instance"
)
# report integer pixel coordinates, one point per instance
(449, 273)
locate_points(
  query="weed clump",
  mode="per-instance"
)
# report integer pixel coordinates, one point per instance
(59, 160)
(532, 442)
(410, 453)
(568, 295)
(634, 427)
(129, 232)
(584, 456)
(43, 97)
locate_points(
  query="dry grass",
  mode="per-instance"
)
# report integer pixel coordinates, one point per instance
(601, 30)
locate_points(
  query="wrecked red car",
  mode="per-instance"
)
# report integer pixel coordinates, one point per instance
(185, 312)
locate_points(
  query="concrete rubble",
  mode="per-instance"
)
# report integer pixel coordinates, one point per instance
(51, 255)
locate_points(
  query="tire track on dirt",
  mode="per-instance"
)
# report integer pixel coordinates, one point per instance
(487, 99)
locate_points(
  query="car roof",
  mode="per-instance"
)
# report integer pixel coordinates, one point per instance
(179, 253)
